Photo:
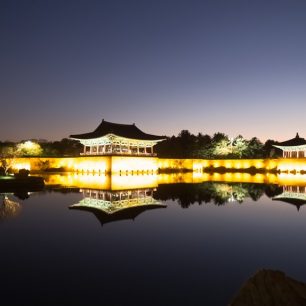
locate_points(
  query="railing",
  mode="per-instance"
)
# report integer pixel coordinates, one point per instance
(117, 154)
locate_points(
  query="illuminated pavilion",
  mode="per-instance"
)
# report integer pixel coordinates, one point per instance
(293, 148)
(117, 139)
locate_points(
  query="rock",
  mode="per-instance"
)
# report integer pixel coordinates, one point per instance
(271, 288)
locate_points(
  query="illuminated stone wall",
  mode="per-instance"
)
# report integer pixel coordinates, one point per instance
(141, 165)
(90, 164)
(93, 164)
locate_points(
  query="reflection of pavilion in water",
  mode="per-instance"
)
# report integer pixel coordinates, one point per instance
(109, 206)
(295, 195)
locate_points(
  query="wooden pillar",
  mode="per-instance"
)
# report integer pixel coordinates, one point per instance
(84, 150)
(137, 148)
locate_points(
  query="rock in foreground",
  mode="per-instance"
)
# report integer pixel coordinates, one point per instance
(271, 288)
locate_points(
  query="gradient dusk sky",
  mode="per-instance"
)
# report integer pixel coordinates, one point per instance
(234, 66)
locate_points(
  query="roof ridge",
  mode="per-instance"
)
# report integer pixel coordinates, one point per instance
(115, 123)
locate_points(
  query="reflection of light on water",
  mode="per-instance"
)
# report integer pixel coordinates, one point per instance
(9, 208)
(106, 182)
(231, 199)
(134, 181)
(291, 179)
(120, 182)
(114, 201)
(109, 205)
(295, 195)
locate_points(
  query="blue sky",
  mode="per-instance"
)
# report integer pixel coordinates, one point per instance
(237, 67)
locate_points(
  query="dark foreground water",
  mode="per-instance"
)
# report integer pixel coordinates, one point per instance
(180, 253)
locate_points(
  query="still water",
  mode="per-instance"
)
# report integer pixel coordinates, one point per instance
(148, 240)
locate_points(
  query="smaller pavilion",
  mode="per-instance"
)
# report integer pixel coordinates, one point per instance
(293, 148)
(117, 139)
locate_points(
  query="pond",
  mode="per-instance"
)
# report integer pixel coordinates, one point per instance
(147, 240)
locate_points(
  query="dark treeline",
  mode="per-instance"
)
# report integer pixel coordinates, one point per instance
(212, 192)
(187, 145)
(65, 147)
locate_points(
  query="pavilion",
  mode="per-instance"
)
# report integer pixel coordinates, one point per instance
(293, 148)
(117, 139)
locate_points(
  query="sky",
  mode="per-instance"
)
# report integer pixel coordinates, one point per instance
(231, 66)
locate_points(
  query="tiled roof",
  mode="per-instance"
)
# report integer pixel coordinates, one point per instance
(296, 141)
(123, 130)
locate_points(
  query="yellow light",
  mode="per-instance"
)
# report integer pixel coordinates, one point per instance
(19, 166)
(28, 144)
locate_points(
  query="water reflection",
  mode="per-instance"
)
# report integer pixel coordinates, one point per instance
(102, 182)
(109, 206)
(120, 182)
(295, 195)
(217, 193)
(121, 197)
(187, 188)
(185, 250)
(8, 208)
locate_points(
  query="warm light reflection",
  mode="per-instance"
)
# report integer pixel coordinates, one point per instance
(290, 179)
(112, 202)
(293, 194)
(9, 208)
(123, 182)
(106, 182)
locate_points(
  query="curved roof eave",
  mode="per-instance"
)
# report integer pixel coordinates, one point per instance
(96, 138)
(297, 148)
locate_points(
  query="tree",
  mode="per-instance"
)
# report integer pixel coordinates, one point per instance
(7, 158)
(220, 145)
(29, 148)
(269, 151)
(240, 146)
(255, 148)
(222, 148)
